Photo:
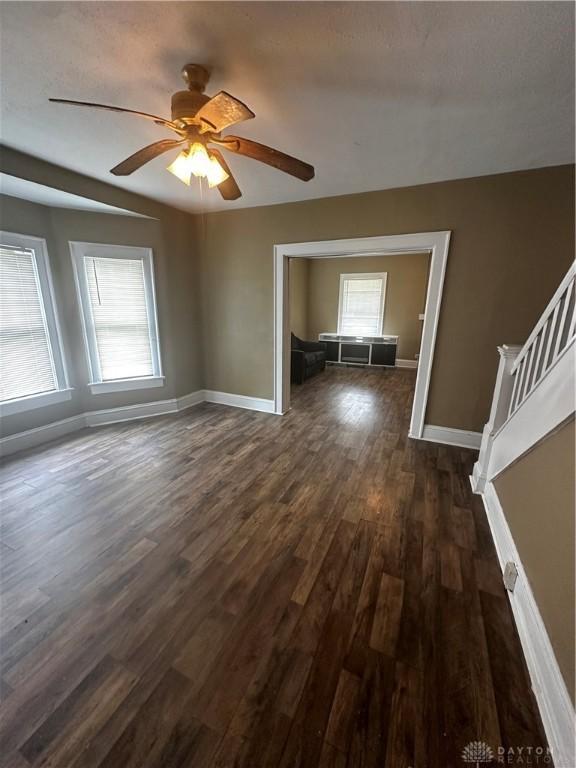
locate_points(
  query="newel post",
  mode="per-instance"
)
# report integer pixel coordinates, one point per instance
(498, 413)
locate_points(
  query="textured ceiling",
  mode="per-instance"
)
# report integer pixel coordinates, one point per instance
(375, 95)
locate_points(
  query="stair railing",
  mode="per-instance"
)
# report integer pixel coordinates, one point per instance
(521, 371)
(551, 336)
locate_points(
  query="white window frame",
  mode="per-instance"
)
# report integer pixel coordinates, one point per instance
(364, 276)
(79, 251)
(63, 391)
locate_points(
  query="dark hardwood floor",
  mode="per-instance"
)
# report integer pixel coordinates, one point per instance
(231, 588)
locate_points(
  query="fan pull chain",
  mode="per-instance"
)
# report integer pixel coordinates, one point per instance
(202, 209)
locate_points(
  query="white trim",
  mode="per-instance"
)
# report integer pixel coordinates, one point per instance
(406, 363)
(130, 412)
(29, 403)
(477, 478)
(448, 436)
(548, 684)
(239, 401)
(48, 305)
(38, 435)
(79, 251)
(190, 400)
(552, 305)
(33, 437)
(144, 410)
(547, 406)
(348, 276)
(503, 390)
(126, 385)
(436, 243)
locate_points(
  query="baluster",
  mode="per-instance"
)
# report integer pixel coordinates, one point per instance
(558, 345)
(551, 339)
(571, 318)
(539, 369)
(522, 372)
(572, 328)
(522, 380)
(512, 407)
(526, 387)
(536, 346)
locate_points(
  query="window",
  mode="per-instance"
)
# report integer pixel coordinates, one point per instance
(32, 372)
(116, 290)
(361, 305)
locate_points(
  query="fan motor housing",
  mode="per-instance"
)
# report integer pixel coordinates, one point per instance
(185, 104)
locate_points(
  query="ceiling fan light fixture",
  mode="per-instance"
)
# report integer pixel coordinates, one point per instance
(200, 119)
(216, 174)
(181, 168)
(199, 160)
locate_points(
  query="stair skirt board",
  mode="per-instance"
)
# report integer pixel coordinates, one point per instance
(548, 684)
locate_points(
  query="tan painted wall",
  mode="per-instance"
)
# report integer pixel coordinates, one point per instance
(512, 241)
(405, 295)
(538, 499)
(298, 291)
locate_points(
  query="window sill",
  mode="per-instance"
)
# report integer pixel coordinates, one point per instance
(125, 385)
(9, 407)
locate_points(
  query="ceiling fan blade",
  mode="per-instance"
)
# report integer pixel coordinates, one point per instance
(267, 155)
(143, 156)
(229, 189)
(222, 111)
(155, 118)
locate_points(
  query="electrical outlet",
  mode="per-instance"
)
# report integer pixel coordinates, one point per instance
(510, 576)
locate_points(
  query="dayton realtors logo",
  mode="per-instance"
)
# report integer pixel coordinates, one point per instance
(478, 753)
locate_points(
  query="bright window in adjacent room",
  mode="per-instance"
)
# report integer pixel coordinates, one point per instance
(116, 290)
(32, 371)
(361, 304)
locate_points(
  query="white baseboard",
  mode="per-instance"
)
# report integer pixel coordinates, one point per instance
(130, 412)
(448, 436)
(548, 684)
(144, 410)
(187, 401)
(239, 401)
(33, 437)
(406, 363)
(39, 435)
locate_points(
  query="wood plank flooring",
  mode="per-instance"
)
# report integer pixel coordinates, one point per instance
(229, 588)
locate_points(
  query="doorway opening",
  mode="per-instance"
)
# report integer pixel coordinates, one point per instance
(435, 244)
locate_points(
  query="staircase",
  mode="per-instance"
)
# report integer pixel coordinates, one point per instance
(534, 391)
(534, 395)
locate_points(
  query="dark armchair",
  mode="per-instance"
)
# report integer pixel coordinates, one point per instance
(307, 359)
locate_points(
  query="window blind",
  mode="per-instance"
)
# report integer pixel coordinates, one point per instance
(26, 362)
(117, 294)
(360, 312)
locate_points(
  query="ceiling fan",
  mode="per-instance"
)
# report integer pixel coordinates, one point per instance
(199, 120)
